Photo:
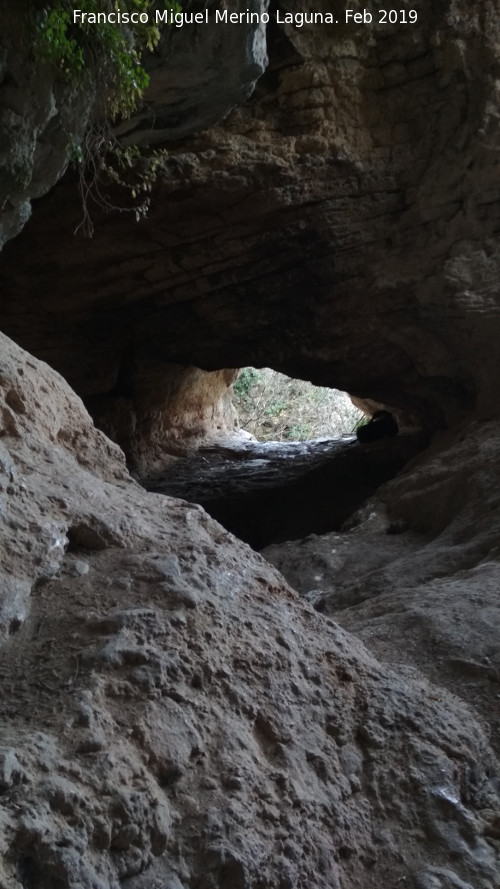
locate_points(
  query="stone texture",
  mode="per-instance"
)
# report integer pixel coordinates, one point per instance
(198, 74)
(265, 492)
(176, 716)
(416, 574)
(173, 715)
(40, 118)
(341, 226)
(159, 410)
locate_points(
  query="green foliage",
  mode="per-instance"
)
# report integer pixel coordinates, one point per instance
(55, 44)
(360, 422)
(247, 379)
(299, 432)
(75, 152)
(274, 407)
(107, 54)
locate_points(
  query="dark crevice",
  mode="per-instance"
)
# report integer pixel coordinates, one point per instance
(27, 872)
(269, 492)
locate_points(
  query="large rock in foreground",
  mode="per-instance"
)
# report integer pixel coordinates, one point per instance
(174, 716)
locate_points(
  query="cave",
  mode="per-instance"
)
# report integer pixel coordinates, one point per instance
(270, 491)
(223, 668)
(271, 495)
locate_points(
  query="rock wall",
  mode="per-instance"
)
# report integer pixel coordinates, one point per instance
(340, 226)
(43, 116)
(199, 73)
(415, 573)
(159, 410)
(40, 119)
(173, 714)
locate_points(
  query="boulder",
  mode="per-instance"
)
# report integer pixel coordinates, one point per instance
(174, 715)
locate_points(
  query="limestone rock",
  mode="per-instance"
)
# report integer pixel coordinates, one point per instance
(199, 73)
(427, 595)
(175, 715)
(239, 739)
(167, 410)
(197, 76)
(340, 226)
(40, 119)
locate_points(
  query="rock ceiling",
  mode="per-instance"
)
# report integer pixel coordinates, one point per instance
(340, 225)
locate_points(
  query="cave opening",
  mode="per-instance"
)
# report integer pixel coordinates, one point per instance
(275, 407)
(294, 466)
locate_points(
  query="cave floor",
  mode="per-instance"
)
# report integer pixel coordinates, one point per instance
(269, 492)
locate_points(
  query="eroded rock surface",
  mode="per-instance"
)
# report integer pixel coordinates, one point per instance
(340, 226)
(173, 715)
(195, 82)
(199, 73)
(416, 576)
(160, 410)
(41, 119)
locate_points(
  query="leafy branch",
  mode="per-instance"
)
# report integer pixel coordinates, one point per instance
(108, 55)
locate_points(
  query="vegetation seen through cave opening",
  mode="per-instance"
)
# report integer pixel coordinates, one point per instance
(274, 407)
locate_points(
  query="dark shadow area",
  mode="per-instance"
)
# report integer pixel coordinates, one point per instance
(268, 492)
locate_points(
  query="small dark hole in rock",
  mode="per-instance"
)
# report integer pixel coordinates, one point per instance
(27, 872)
(14, 625)
(320, 605)
(83, 536)
(15, 401)
(197, 681)
(346, 852)
(169, 777)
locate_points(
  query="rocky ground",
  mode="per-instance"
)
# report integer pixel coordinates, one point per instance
(174, 715)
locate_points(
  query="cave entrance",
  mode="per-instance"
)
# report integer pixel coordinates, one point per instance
(274, 407)
(307, 476)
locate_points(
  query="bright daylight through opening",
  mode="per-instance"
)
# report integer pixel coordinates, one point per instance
(274, 407)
